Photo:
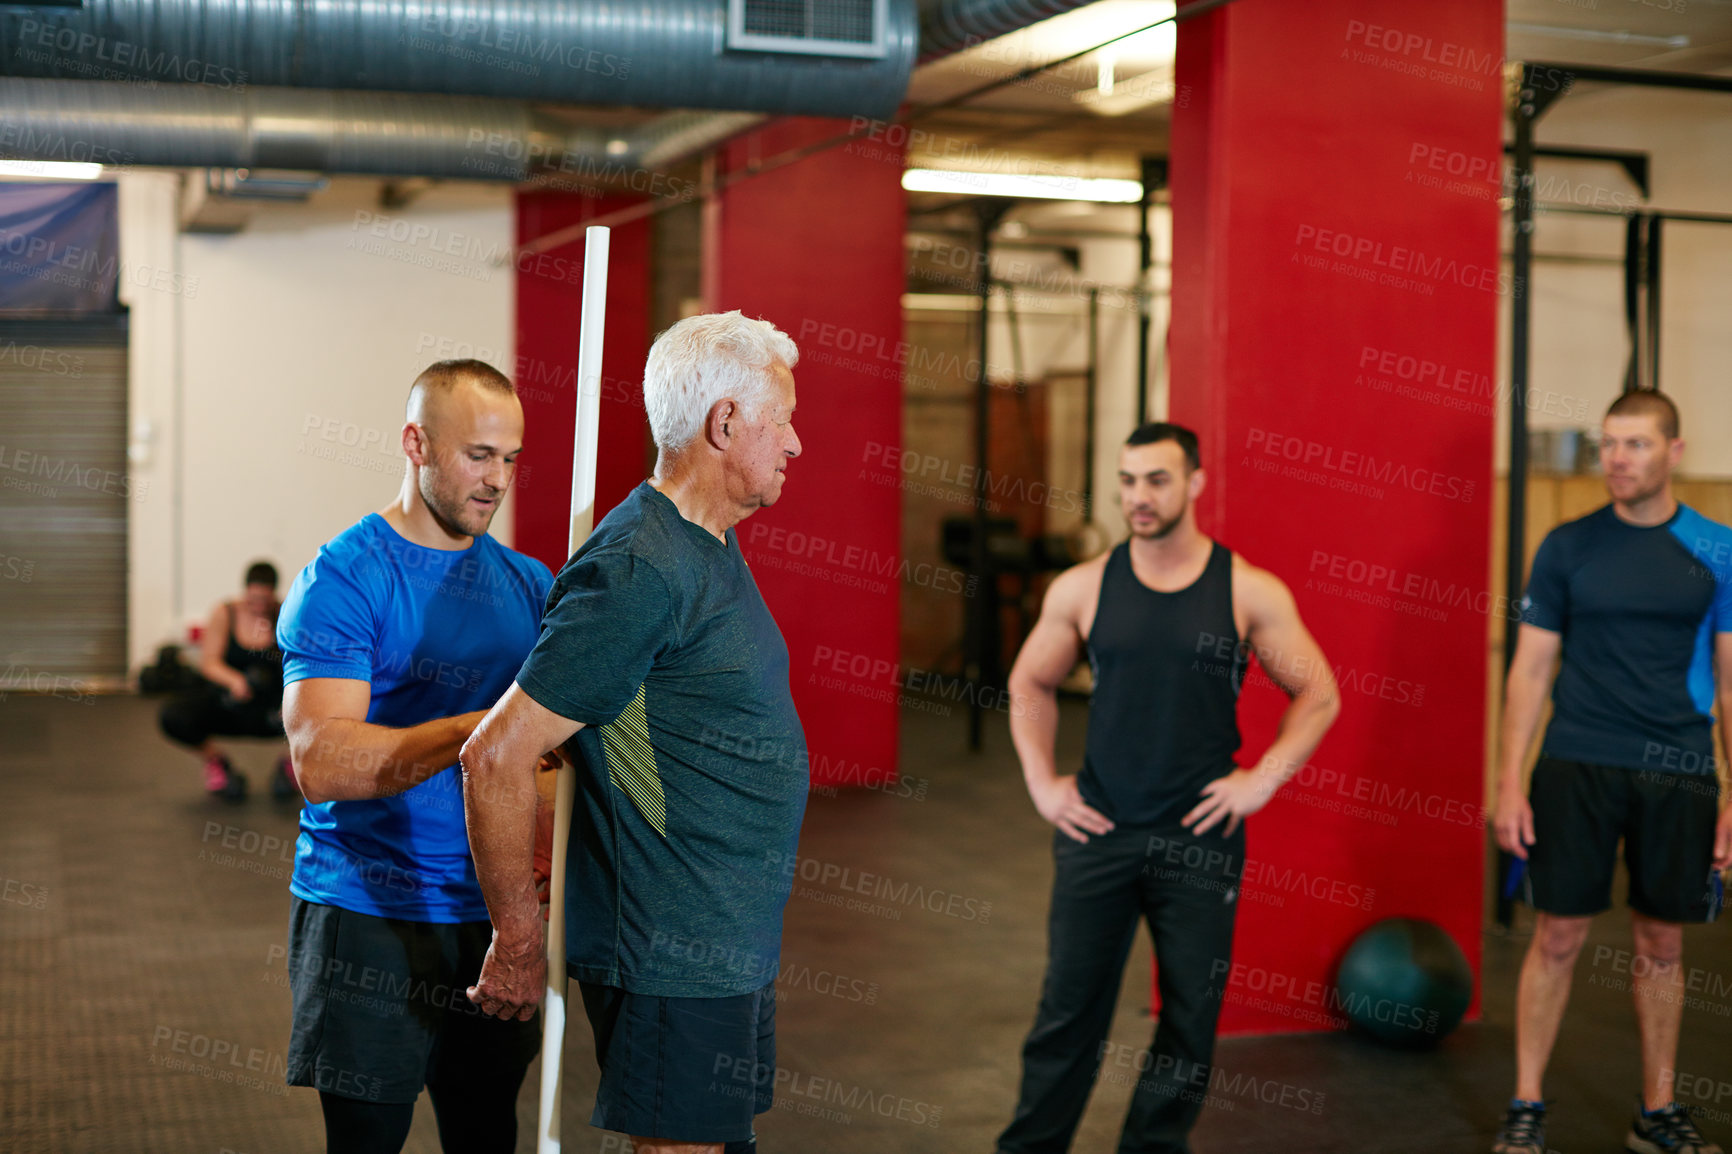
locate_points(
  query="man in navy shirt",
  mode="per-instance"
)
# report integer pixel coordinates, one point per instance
(1637, 599)
(396, 640)
(658, 652)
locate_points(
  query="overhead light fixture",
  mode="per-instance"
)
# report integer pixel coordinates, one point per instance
(1608, 36)
(618, 147)
(1102, 189)
(50, 169)
(1151, 88)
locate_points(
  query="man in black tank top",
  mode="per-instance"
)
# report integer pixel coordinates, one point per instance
(1151, 827)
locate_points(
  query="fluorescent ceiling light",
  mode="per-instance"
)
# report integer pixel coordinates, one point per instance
(1613, 37)
(50, 169)
(1077, 31)
(1031, 187)
(1153, 87)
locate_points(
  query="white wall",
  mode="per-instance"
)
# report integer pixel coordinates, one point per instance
(293, 343)
(1579, 346)
(149, 245)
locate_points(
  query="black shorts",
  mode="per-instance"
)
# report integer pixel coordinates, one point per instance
(1666, 821)
(682, 1069)
(381, 1007)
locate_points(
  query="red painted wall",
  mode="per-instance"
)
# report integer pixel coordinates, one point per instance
(549, 303)
(816, 248)
(1336, 287)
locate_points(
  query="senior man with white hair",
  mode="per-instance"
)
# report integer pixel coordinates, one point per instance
(658, 653)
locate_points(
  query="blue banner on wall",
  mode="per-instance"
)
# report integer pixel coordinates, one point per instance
(59, 247)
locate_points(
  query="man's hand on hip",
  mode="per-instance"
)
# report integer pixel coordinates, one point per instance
(513, 977)
(1060, 803)
(1234, 797)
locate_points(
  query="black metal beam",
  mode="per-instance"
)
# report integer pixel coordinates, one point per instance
(1635, 230)
(976, 633)
(1530, 105)
(1653, 271)
(1633, 163)
(1154, 176)
(1656, 213)
(1090, 406)
(1599, 74)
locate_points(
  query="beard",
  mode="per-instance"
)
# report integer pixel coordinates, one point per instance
(1645, 487)
(452, 509)
(1164, 525)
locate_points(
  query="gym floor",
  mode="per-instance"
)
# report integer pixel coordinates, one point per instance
(144, 1004)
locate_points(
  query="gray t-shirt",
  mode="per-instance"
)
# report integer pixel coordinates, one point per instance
(693, 768)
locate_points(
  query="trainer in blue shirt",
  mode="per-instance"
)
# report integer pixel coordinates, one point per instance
(1634, 604)
(398, 637)
(658, 652)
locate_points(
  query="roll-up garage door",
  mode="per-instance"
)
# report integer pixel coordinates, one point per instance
(64, 499)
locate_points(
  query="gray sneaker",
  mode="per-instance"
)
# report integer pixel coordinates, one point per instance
(1668, 1132)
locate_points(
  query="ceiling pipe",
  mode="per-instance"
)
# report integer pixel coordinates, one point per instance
(646, 53)
(232, 122)
(357, 133)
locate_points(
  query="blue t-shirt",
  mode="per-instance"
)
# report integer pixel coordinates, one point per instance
(436, 632)
(693, 776)
(1639, 608)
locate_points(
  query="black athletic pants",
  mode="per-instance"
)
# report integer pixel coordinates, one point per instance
(1187, 889)
(194, 717)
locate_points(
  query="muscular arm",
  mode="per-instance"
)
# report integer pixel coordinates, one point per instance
(1723, 694)
(1052, 650)
(1530, 676)
(499, 800)
(1294, 661)
(1300, 669)
(338, 756)
(211, 648)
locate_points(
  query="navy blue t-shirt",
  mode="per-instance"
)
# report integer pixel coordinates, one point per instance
(693, 774)
(436, 632)
(1639, 608)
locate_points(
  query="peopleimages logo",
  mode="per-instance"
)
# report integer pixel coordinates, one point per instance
(1361, 466)
(1401, 259)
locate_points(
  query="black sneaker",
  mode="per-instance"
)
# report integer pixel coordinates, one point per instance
(283, 785)
(235, 789)
(1669, 1131)
(1524, 1129)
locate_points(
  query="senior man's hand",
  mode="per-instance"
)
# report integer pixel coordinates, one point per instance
(513, 977)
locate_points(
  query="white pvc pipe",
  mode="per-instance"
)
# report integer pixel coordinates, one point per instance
(589, 340)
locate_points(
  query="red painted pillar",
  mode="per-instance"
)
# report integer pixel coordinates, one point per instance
(815, 247)
(549, 304)
(1336, 169)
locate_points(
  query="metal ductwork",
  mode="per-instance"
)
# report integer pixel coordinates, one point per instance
(371, 133)
(648, 53)
(221, 114)
(955, 25)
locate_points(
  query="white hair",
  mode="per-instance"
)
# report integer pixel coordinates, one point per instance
(703, 359)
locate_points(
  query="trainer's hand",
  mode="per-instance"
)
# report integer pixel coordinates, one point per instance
(1723, 840)
(1234, 797)
(513, 978)
(1515, 823)
(1060, 803)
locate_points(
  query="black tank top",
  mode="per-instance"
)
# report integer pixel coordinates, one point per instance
(1163, 721)
(262, 667)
